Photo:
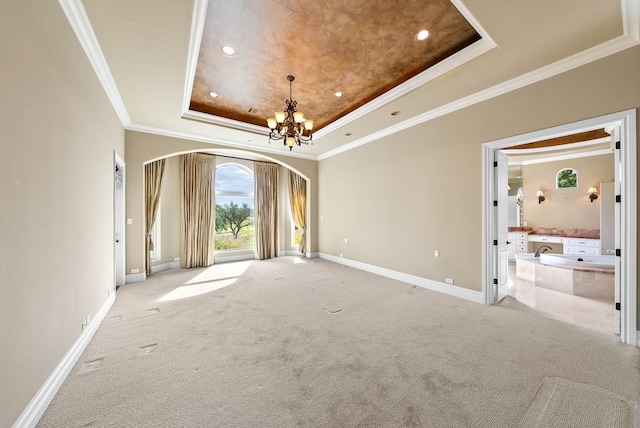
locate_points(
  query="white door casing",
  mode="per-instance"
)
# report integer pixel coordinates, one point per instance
(617, 184)
(626, 233)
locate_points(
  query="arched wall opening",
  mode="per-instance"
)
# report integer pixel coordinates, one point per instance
(143, 148)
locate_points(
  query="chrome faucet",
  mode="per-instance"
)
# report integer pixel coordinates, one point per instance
(544, 249)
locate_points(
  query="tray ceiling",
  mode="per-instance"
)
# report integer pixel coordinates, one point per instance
(359, 48)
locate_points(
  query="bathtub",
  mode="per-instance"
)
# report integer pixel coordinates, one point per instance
(604, 263)
(593, 277)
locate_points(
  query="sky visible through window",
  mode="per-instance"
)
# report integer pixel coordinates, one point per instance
(232, 178)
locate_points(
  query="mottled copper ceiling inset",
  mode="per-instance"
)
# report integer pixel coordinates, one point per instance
(361, 48)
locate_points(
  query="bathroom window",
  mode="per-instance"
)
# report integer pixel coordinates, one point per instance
(567, 178)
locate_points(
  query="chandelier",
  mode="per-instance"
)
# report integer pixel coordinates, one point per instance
(290, 125)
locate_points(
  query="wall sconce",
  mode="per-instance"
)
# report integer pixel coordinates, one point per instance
(593, 193)
(540, 195)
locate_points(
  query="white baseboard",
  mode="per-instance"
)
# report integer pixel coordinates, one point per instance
(290, 253)
(135, 277)
(313, 255)
(36, 408)
(236, 258)
(164, 266)
(452, 290)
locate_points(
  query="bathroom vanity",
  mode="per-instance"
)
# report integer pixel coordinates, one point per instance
(570, 245)
(562, 241)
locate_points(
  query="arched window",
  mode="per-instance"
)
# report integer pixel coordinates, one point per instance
(234, 186)
(567, 178)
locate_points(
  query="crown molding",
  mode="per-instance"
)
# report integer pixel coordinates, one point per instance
(564, 157)
(77, 16)
(574, 61)
(631, 18)
(439, 69)
(211, 140)
(195, 39)
(223, 121)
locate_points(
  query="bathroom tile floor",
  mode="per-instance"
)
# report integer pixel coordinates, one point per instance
(592, 314)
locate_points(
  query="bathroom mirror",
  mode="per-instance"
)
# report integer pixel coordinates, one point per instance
(515, 179)
(515, 195)
(567, 178)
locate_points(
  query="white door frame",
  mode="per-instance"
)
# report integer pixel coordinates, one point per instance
(627, 233)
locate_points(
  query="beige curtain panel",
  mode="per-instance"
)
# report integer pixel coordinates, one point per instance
(198, 214)
(298, 199)
(153, 174)
(266, 209)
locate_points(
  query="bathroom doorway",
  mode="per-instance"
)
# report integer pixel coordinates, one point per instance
(547, 237)
(621, 127)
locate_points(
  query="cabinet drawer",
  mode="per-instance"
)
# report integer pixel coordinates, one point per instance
(582, 242)
(522, 235)
(521, 242)
(522, 248)
(580, 250)
(544, 238)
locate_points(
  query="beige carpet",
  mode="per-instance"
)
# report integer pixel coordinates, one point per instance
(563, 403)
(295, 342)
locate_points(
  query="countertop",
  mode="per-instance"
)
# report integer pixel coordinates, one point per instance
(552, 231)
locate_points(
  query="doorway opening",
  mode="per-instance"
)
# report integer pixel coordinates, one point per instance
(622, 128)
(545, 238)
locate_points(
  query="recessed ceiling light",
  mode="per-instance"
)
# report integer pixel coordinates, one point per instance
(338, 94)
(213, 95)
(228, 50)
(422, 35)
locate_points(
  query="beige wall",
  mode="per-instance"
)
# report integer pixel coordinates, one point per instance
(58, 134)
(565, 208)
(405, 195)
(143, 147)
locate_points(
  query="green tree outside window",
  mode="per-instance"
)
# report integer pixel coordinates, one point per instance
(567, 178)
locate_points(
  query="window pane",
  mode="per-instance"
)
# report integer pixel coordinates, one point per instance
(567, 178)
(234, 208)
(233, 178)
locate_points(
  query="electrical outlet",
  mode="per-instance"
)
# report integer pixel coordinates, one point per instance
(135, 270)
(341, 255)
(176, 259)
(436, 253)
(346, 240)
(449, 280)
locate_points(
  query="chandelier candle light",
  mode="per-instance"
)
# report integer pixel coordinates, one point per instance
(290, 125)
